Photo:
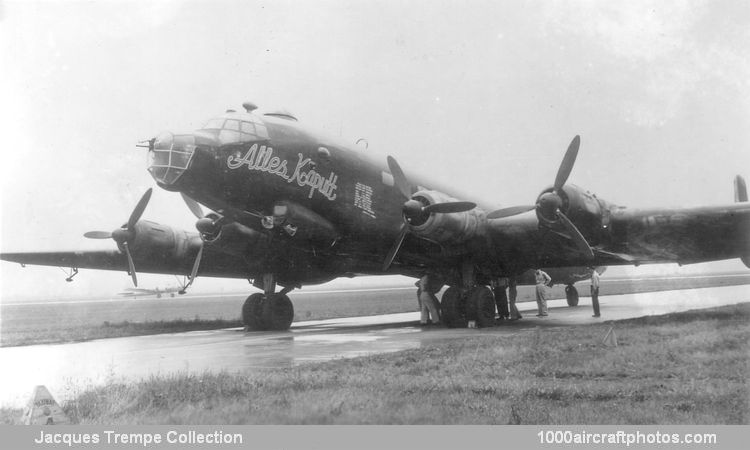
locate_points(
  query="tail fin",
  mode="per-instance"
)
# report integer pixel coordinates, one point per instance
(740, 189)
(740, 195)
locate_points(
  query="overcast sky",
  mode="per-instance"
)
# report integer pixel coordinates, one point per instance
(484, 96)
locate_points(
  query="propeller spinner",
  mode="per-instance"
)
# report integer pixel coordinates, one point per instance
(413, 209)
(126, 234)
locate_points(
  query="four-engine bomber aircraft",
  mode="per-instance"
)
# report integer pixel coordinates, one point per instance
(291, 207)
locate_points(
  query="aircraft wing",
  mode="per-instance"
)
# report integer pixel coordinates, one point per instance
(214, 263)
(627, 237)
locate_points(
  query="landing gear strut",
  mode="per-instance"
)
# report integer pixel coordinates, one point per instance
(270, 310)
(571, 295)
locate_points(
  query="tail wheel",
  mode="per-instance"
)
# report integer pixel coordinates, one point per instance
(278, 312)
(453, 307)
(481, 306)
(251, 312)
(571, 295)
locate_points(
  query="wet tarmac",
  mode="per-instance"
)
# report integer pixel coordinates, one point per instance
(68, 368)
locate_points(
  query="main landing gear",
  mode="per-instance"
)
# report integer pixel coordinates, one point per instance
(270, 310)
(471, 302)
(459, 306)
(571, 295)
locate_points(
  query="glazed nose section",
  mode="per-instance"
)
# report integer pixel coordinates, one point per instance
(170, 156)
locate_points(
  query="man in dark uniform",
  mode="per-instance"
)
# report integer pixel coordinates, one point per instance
(499, 287)
(513, 291)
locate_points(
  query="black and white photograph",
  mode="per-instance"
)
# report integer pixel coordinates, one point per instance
(376, 212)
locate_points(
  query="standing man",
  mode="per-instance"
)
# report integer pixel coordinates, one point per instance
(595, 291)
(422, 318)
(513, 293)
(501, 297)
(542, 279)
(428, 302)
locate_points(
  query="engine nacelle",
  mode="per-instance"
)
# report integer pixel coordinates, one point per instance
(304, 225)
(444, 228)
(157, 241)
(589, 213)
(233, 238)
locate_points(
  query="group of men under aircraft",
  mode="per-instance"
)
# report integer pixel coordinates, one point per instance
(505, 301)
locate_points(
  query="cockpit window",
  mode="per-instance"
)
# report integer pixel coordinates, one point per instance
(234, 130)
(229, 136)
(214, 124)
(248, 128)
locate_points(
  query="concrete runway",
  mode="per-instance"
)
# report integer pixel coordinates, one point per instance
(68, 368)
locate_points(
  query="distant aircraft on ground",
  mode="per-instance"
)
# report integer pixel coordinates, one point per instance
(291, 207)
(134, 292)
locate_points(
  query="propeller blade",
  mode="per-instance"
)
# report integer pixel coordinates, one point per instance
(98, 234)
(139, 208)
(566, 166)
(197, 264)
(399, 178)
(510, 211)
(449, 207)
(576, 235)
(194, 207)
(130, 264)
(396, 246)
(193, 272)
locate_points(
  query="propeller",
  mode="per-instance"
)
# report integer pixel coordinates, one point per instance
(511, 211)
(576, 235)
(126, 234)
(98, 234)
(414, 209)
(550, 203)
(205, 225)
(193, 206)
(194, 271)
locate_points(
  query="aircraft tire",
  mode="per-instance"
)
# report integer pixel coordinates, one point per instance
(251, 312)
(481, 304)
(453, 308)
(278, 313)
(571, 295)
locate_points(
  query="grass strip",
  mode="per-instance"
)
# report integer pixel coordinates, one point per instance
(682, 368)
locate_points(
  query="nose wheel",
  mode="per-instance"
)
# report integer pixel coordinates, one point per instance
(270, 311)
(262, 312)
(252, 312)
